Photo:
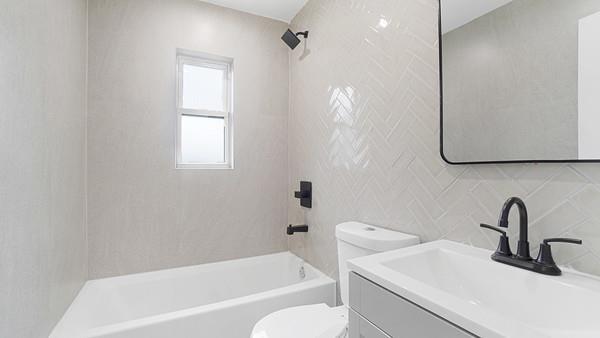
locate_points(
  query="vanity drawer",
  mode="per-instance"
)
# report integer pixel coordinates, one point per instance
(361, 328)
(396, 316)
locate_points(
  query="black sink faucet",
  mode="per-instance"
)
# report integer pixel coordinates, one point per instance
(544, 263)
(523, 243)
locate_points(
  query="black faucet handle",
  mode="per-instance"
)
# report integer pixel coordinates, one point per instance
(503, 246)
(563, 240)
(493, 228)
(545, 259)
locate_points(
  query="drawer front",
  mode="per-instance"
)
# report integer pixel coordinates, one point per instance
(361, 328)
(396, 316)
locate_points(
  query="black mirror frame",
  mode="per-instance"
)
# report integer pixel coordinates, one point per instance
(441, 84)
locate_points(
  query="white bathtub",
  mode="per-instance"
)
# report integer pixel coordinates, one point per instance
(218, 300)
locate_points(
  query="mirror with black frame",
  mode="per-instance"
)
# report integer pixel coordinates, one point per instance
(520, 80)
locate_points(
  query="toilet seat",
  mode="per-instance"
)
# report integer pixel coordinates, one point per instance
(309, 321)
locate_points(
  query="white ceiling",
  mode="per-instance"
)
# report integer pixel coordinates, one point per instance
(283, 10)
(456, 13)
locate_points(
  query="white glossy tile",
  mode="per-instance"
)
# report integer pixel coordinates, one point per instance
(394, 70)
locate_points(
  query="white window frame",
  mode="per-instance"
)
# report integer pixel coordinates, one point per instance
(207, 61)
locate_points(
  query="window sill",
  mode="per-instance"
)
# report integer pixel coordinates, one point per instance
(204, 167)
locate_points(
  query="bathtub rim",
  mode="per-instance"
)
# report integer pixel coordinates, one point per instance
(165, 317)
(320, 279)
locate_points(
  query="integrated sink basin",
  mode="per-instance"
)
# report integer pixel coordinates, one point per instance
(464, 286)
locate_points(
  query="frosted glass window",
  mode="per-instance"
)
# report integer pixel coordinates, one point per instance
(203, 88)
(204, 117)
(202, 139)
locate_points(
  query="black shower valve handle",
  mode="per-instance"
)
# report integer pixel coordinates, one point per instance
(302, 194)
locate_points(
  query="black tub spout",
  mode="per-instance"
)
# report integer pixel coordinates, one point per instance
(292, 229)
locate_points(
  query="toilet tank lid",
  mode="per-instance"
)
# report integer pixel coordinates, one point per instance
(372, 237)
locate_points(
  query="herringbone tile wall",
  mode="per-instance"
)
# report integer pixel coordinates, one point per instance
(364, 129)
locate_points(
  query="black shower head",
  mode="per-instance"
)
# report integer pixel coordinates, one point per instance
(291, 39)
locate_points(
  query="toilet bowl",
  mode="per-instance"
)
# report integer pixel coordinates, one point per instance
(319, 320)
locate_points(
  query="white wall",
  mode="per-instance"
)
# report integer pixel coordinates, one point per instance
(456, 13)
(43, 251)
(589, 87)
(275, 9)
(143, 213)
(364, 127)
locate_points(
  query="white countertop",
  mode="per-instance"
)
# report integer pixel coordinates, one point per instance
(463, 285)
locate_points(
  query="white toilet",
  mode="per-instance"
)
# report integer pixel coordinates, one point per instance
(319, 320)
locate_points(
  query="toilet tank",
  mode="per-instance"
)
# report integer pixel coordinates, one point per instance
(356, 239)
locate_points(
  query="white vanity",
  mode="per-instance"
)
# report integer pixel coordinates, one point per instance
(447, 289)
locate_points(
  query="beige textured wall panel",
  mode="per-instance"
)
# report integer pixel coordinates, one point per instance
(144, 214)
(43, 252)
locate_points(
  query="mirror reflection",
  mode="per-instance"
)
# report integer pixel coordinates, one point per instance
(521, 80)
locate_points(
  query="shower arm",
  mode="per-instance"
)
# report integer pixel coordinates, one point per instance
(304, 34)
